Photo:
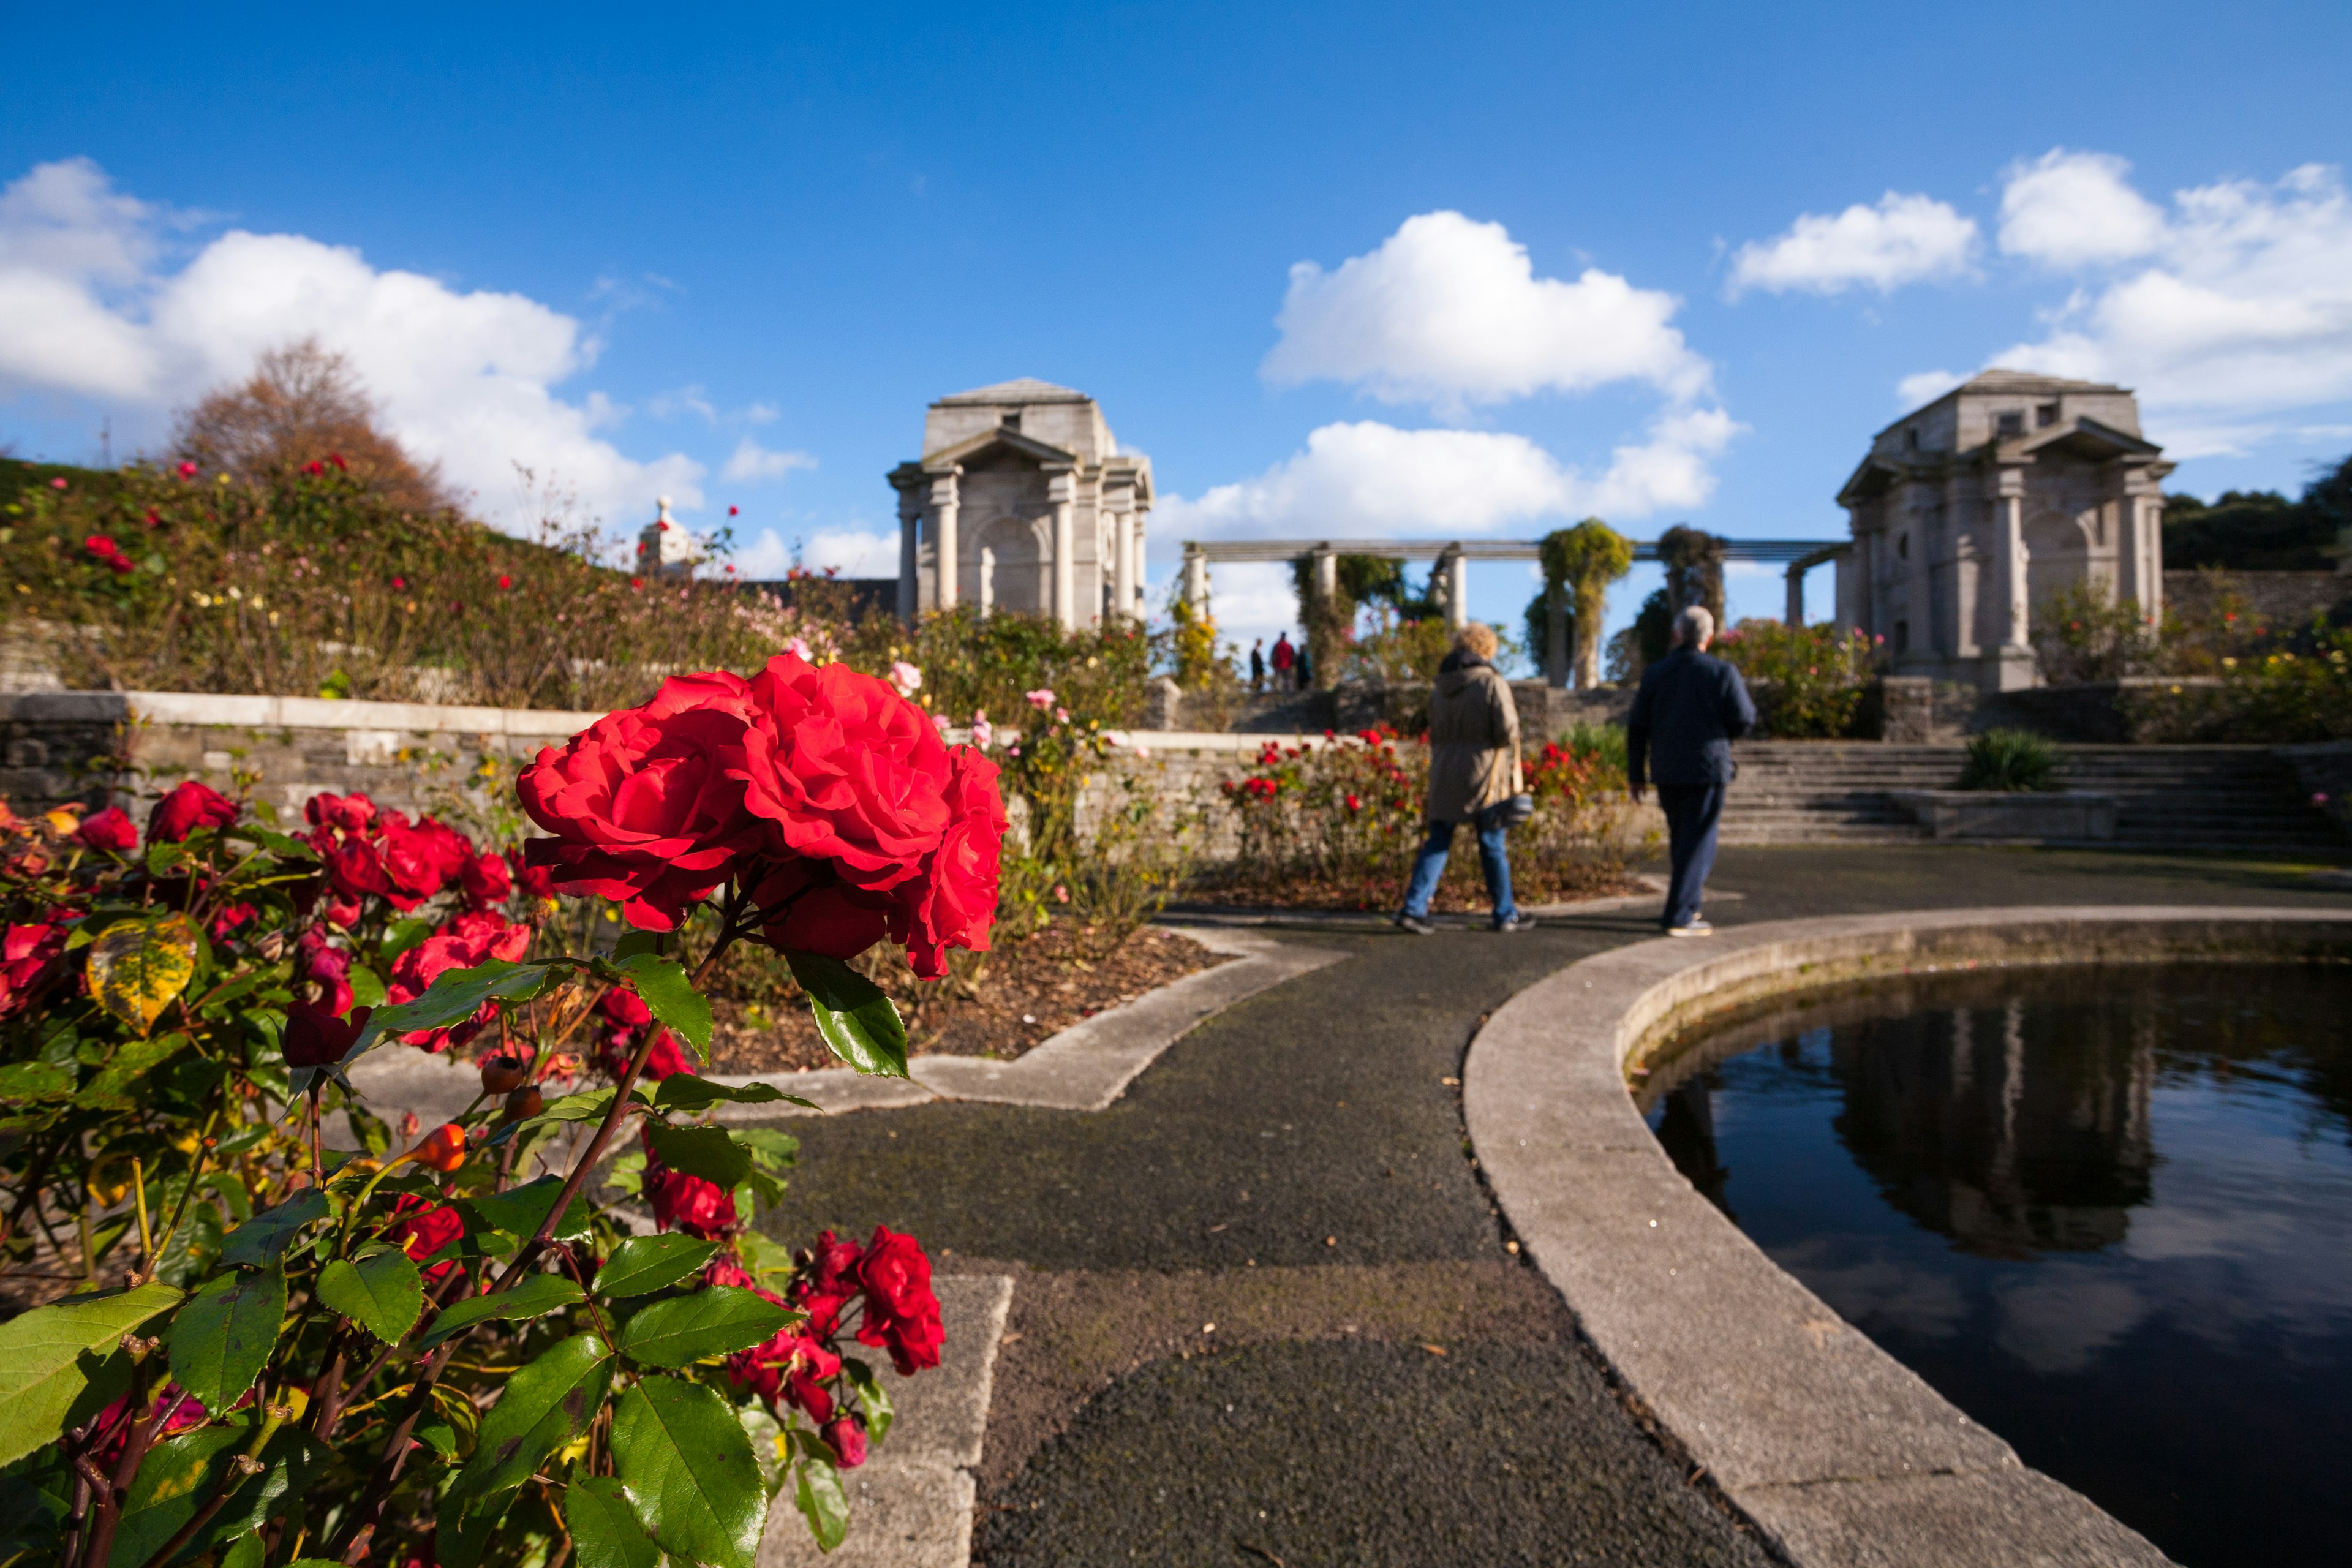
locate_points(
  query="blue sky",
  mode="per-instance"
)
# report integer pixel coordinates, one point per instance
(1668, 263)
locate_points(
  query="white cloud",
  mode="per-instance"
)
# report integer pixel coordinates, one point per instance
(1925, 387)
(88, 308)
(1450, 314)
(752, 462)
(1903, 239)
(1369, 480)
(852, 553)
(2072, 209)
(2244, 306)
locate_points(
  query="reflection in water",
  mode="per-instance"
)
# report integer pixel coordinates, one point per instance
(2109, 1213)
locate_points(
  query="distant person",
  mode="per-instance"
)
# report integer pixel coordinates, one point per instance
(1305, 670)
(1284, 656)
(1474, 777)
(1690, 708)
(1257, 667)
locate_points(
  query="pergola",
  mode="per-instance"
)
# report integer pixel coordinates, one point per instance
(1799, 555)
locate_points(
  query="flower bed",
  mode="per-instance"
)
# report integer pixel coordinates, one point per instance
(255, 1351)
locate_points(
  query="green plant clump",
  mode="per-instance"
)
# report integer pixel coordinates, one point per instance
(2009, 762)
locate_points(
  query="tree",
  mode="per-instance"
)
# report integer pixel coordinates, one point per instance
(1579, 564)
(303, 405)
(1693, 562)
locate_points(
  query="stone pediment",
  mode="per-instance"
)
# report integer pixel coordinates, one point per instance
(1012, 442)
(2083, 437)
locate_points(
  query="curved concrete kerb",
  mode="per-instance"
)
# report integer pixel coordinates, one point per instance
(1838, 1452)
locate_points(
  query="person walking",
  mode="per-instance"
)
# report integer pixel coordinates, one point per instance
(1474, 777)
(1257, 667)
(1690, 708)
(1284, 657)
(1303, 667)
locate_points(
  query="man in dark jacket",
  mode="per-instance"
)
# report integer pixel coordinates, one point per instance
(1690, 708)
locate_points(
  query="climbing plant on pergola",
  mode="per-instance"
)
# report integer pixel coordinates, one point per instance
(1579, 564)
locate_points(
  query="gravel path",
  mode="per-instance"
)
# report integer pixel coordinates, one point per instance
(1281, 1215)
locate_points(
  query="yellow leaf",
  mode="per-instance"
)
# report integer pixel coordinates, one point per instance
(136, 967)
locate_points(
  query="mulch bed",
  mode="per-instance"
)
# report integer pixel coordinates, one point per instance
(1026, 993)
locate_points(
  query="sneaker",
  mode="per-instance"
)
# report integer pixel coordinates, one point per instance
(1517, 922)
(1695, 926)
(1415, 924)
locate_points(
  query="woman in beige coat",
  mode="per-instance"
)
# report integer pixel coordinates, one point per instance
(1473, 772)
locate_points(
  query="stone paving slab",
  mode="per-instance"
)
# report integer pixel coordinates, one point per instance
(1944, 1521)
(911, 1504)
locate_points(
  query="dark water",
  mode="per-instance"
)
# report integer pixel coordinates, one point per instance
(2107, 1213)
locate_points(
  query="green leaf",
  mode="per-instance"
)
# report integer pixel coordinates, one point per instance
(400, 936)
(291, 1461)
(661, 984)
(520, 1210)
(53, 1359)
(634, 942)
(588, 1107)
(454, 997)
(177, 1478)
(769, 1147)
(137, 966)
(705, 1152)
(535, 1297)
(367, 986)
(381, 1294)
(245, 1552)
(645, 1264)
(816, 1490)
(265, 1237)
(26, 1081)
(545, 1405)
(462, 1534)
(683, 1330)
(686, 1094)
(687, 1465)
(133, 1063)
(605, 1532)
(223, 1337)
(872, 1397)
(853, 1015)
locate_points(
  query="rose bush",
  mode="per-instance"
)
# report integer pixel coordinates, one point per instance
(243, 1345)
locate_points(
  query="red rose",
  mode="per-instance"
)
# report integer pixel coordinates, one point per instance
(351, 812)
(329, 966)
(229, 919)
(724, 1270)
(188, 808)
(625, 1007)
(682, 1202)
(353, 868)
(663, 1060)
(342, 912)
(901, 1313)
(486, 880)
(833, 1263)
(110, 829)
(420, 857)
(468, 941)
(852, 772)
(536, 882)
(26, 956)
(953, 903)
(646, 805)
(429, 1227)
(813, 911)
(846, 1438)
(315, 1038)
(790, 1366)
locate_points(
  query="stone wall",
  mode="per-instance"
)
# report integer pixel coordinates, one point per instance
(2280, 598)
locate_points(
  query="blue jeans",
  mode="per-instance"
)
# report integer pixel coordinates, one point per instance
(1693, 812)
(1430, 865)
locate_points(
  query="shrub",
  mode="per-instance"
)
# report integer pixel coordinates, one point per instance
(2009, 760)
(1398, 652)
(274, 1351)
(310, 583)
(2276, 692)
(1808, 682)
(2080, 636)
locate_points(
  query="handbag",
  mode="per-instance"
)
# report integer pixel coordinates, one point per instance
(1516, 810)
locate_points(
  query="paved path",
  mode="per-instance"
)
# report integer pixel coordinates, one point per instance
(1264, 1310)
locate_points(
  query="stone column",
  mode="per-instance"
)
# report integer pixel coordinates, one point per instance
(946, 550)
(1062, 490)
(1327, 574)
(1122, 580)
(1457, 590)
(1196, 581)
(1796, 605)
(987, 581)
(1556, 635)
(911, 554)
(2009, 513)
(1918, 614)
(1134, 523)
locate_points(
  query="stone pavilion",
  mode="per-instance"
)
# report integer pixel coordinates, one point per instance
(1024, 494)
(1974, 509)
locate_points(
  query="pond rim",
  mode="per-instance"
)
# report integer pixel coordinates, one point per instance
(1838, 1453)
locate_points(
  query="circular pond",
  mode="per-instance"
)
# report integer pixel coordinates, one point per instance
(2106, 1212)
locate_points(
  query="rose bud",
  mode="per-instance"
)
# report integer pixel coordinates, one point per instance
(502, 1075)
(444, 1149)
(523, 1103)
